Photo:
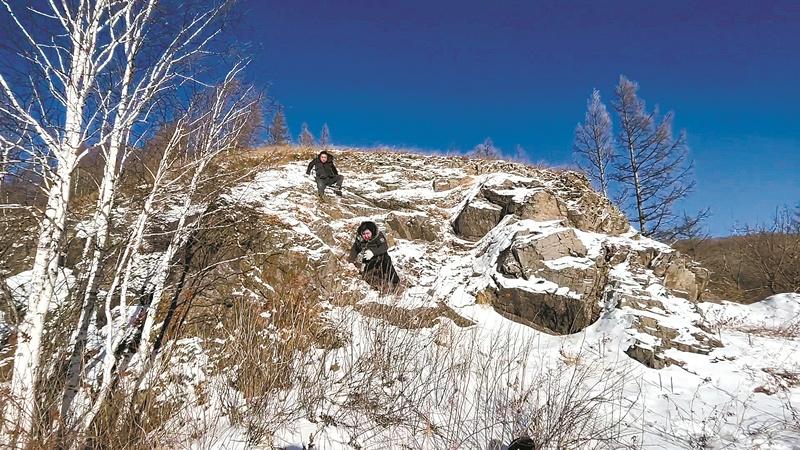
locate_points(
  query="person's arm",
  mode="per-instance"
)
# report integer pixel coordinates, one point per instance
(354, 251)
(310, 166)
(335, 172)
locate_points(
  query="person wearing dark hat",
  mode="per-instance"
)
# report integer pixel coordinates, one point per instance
(371, 249)
(325, 173)
(522, 443)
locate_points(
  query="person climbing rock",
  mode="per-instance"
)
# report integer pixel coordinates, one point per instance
(325, 173)
(370, 248)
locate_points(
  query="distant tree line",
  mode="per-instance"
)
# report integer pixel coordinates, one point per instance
(278, 132)
(755, 262)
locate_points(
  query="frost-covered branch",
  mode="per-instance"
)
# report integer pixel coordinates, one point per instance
(593, 146)
(652, 164)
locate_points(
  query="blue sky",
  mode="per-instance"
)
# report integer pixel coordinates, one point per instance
(445, 75)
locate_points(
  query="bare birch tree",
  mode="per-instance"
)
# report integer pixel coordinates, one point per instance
(212, 126)
(70, 112)
(63, 70)
(142, 80)
(652, 164)
(593, 146)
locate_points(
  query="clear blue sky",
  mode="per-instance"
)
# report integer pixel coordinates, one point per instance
(445, 75)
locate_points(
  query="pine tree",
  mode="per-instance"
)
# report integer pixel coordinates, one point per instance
(325, 136)
(593, 146)
(486, 150)
(278, 130)
(306, 139)
(652, 164)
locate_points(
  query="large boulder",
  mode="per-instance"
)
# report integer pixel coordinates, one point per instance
(534, 204)
(551, 312)
(569, 199)
(412, 226)
(558, 310)
(477, 218)
(525, 255)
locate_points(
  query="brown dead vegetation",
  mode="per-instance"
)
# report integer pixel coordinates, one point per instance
(754, 264)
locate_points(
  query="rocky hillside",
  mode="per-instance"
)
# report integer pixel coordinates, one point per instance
(495, 249)
(537, 246)
(529, 305)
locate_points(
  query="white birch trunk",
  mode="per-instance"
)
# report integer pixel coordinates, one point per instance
(116, 334)
(85, 61)
(44, 274)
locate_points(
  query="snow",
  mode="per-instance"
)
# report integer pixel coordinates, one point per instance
(776, 311)
(733, 397)
(18, 287)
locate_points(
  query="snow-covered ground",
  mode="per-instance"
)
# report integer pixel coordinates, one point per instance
(448, 385)
(736, 396)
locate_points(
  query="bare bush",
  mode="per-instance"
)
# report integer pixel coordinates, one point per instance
(449, 387)
(755, 263)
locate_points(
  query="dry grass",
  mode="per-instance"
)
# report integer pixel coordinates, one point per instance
(755, 263)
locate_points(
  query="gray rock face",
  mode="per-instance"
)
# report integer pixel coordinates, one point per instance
(569, 199)
(653, 356)
(551, 312)
(682, 276)
(524, 257)
(530, 257)
(412, 227)
(445, 184)
(548, 312)
(477, 218)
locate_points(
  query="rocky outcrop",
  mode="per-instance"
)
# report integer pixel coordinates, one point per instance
(682, 276)
(550, 312)
(556, 311)
(477, 218)
(652, 337)
(564, 291)
(568, 198)
(651, 352)
(412, 226)
(550, 267)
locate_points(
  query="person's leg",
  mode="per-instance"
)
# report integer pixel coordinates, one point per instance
(372, 277)
(389, 276)
(320, 187)
(336, 183)
(393, 276)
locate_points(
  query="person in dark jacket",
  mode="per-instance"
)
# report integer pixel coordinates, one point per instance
(371, 248)
(325, 173)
